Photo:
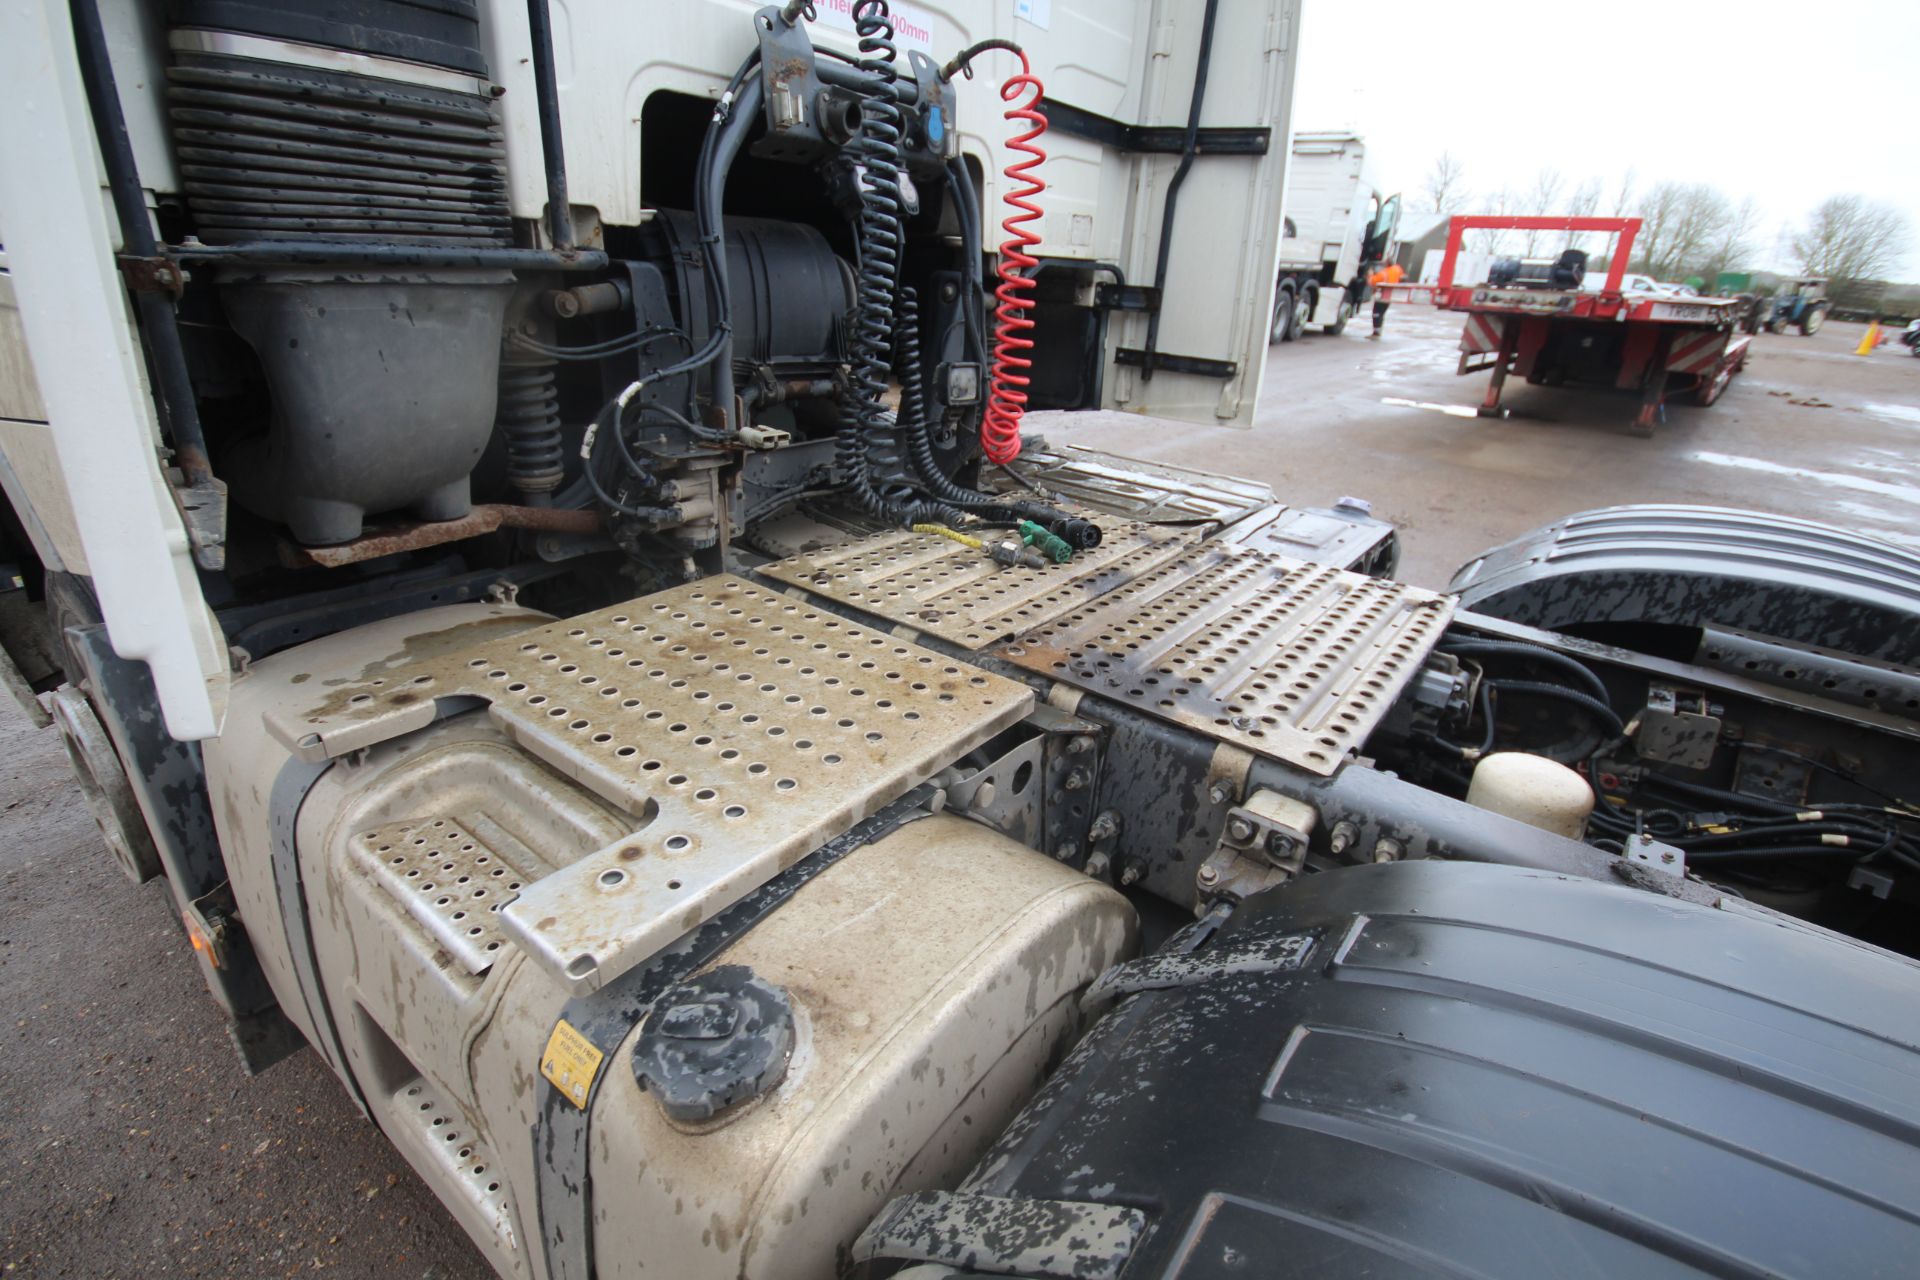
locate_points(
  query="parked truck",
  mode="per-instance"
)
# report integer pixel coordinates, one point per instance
(1339, 226)
(539, 561)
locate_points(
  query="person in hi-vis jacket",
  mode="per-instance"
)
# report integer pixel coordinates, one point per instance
(1391, 273)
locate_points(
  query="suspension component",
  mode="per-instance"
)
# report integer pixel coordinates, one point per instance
(528, 418)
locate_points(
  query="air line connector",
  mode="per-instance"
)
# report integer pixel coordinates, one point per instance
(1081, 535)
(1056, 549)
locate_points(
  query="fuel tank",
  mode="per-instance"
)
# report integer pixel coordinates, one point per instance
(740, 1104)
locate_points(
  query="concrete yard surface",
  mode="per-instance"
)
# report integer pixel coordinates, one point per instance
(1809, 430)
(132, 1145)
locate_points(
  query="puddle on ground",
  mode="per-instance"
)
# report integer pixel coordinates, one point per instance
(1454, 410)
(1838, 479)
(1904, 414)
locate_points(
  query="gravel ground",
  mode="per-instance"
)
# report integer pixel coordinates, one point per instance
(132, 1145)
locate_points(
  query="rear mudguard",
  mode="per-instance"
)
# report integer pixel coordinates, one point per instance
(1794, 580)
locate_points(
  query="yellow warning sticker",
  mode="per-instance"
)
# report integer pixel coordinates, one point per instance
(571, 1062)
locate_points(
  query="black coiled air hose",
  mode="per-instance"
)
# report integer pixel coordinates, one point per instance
(912, 422)
(877, 152)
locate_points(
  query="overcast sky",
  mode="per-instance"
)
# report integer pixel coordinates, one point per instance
(1787, 102)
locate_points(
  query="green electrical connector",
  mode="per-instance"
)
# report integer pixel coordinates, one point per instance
(1056, 549)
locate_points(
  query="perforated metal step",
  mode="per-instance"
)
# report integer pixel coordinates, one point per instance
(430, 1124)
(741, 728)
(955, 592)
(1291, 660)
(447, 879)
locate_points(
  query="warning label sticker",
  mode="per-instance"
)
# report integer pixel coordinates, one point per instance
(570, 1061)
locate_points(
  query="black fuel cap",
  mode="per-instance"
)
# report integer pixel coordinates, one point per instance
(714, 1042)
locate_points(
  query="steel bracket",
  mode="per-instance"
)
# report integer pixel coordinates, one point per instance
(152, 275)
(1263, 843)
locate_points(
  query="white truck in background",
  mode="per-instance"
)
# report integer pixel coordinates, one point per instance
(1338, 226)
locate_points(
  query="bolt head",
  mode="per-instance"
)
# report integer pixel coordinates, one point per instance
(1240, 829)
(1208, 875)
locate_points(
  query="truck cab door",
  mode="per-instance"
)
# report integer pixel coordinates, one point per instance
(1203, 208)
(1380, 236)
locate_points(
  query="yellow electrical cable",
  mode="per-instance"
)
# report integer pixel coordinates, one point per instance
(941, 530)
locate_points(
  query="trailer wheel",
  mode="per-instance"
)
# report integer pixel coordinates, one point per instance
(1339, 325)
(1281, 330)
(1810, 323)
(1303, 308)
(1708, 388)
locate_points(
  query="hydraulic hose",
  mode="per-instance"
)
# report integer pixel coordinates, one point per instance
(1534, 653)
(1600, 710)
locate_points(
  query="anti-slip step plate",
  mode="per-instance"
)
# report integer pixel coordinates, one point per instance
(470, 1182)
(740, 727)
(939, 587)
(1291, 660)
(1134, 488)
(448, 880)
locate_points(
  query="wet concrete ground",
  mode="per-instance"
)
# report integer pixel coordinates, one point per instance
(132, 1145)
(1809, 430)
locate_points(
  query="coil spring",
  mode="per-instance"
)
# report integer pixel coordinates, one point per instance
(529, 419)
(1007, 396)
(877, 150)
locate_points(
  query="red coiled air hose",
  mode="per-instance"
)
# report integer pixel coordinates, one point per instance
(1007, 396)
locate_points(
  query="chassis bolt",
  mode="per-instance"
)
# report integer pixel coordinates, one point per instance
(1208, 875)
(1240, 829)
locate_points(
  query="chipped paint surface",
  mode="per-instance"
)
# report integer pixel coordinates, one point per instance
(1042, 1238)
(1787, 579)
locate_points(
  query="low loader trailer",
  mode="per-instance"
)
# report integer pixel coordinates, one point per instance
(1547, 326)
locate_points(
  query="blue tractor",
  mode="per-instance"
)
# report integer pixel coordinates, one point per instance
(1800, 304)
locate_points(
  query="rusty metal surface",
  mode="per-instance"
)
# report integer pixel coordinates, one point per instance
(954, 592)
(482, 519)
(446, 878)
(741, 729)
(1291, 660)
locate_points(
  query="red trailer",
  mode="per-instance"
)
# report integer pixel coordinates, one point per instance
(1649, 342)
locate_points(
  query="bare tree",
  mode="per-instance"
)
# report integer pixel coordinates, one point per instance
(1583, 203)
(1682, 225)
(1623, 198)
(1444, 187)
(1489, 240)
(1734, 243)
(1541, 201)
(1851, 238)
